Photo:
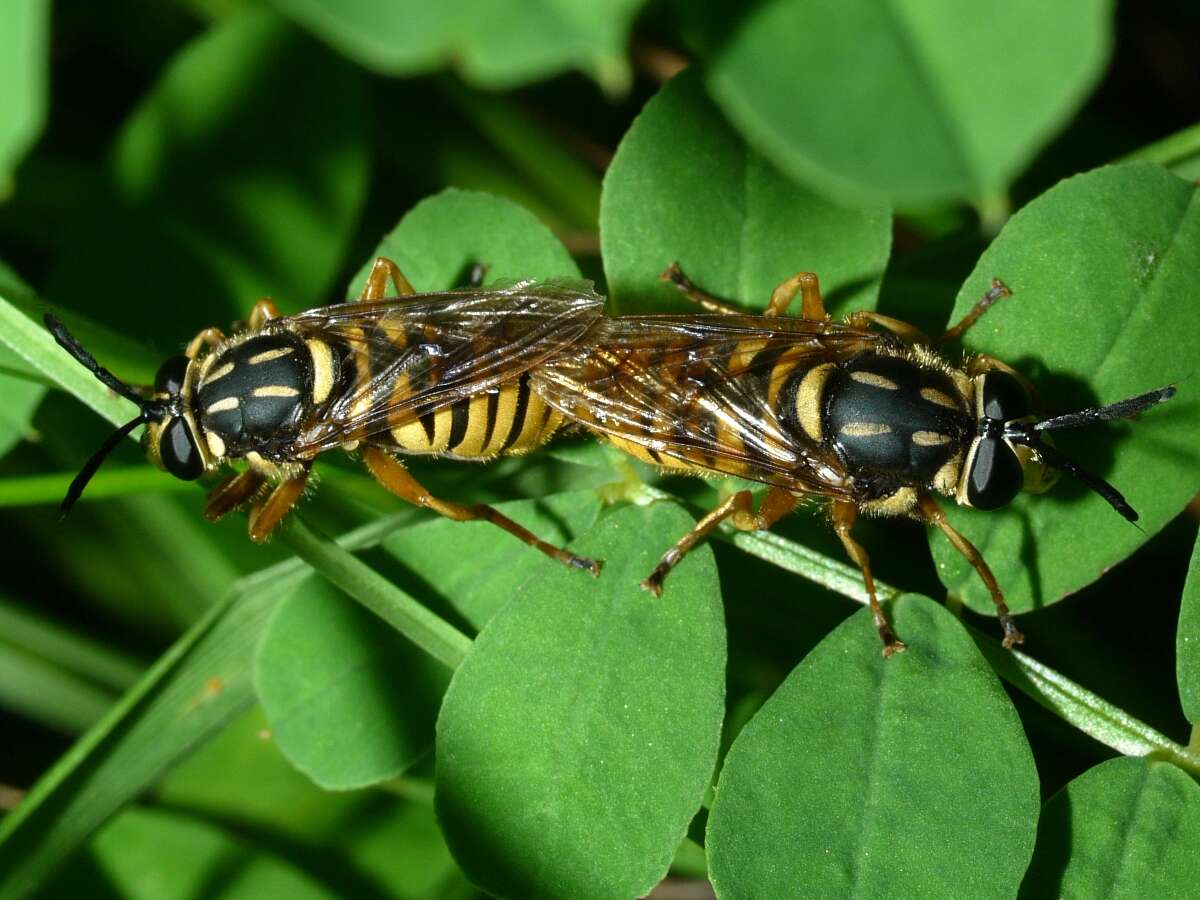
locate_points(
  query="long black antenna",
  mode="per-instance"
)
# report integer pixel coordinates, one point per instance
(1122, 409)
(67, 341)
(89, 469)
(147, 408)
(1114, 497)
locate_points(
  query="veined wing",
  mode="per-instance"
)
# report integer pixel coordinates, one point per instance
(718, 392)
(412, 355)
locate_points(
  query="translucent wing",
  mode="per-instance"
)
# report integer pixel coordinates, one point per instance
(707, 391)
(419, 353)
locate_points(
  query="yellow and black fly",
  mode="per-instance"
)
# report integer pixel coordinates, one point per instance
(441, 374)
(864, 413)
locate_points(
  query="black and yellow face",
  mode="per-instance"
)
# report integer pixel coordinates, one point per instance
(171, 440)
(997, 467)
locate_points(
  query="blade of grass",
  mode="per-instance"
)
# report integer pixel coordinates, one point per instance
(427, 630)
(191, 692)
(65, 649)
(39, 690)
(44, 490)
(33, 343)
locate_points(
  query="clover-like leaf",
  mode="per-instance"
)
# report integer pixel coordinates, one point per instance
(911, 100)
(736, 224)
(494, 43)
(1098, 266)
(1187, 642)
(869, 777)
(1127, 828)
(580, 732)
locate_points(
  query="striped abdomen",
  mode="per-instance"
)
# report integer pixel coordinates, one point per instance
(509, 418)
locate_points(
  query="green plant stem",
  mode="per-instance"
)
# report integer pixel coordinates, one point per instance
(1173, 149)
(1089, 713)
(1069, 701)
(430, 632)
(42, 490)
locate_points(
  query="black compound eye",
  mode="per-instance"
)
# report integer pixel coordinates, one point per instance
(169, 379)
(1005, 398)
(995, 475)
(178, 451)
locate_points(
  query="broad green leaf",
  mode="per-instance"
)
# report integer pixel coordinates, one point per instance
(150, 854)
(1187, 642)
(580, 732)
(872, 777)
(475, 568)
(735, 223)
(1097, 266)
(350, 701)
(1127, 828)
(494, 43)
(24, 65)
(910, 100)
(211, 207)
(442, 237)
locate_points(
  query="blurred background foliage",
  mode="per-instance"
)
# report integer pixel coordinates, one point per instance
(164, 164)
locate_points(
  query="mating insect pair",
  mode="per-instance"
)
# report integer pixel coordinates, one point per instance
(864, 414)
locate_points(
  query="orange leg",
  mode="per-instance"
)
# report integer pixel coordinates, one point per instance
(812, 304)
(844, 514)
(376, 286)
(397, 479)
(209, 336)
(674, 274)
(739, 508)
(910, 334)
(997, 291)
(232, 493)
(932, 513)
(264, 311)
(270, 512)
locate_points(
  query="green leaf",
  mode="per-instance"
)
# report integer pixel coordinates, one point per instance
(442, 237)
(910, 100)
(736, 224)
(350, 701)
(495, 44)
(24, 65)
(1097, 266)
(580, 732)
(211, 208)
(148, 854)
(340, 567)
(1187, 642)
(1127, 828)
(477, 570)
(868, 777)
